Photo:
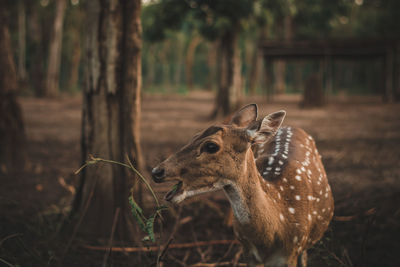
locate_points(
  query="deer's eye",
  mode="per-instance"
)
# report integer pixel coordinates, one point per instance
(210, 147)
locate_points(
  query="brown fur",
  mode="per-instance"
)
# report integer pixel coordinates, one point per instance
(273, 177)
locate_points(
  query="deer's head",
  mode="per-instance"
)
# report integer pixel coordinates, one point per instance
(216, 156)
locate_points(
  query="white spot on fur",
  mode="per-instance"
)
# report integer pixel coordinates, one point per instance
(291, 187)
(297, 197)
(270, 160)
(281, 217)
(291, 210)
(298, 177)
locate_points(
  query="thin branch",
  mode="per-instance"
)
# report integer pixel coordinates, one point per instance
(144, 180)
(111, 237)
(225, 263)
(8, 237)
(237, 257)
(226, 253)
(77, 225)
(171, 236)
(94, 160)
(156, 248)
(164, 250)
(6, 263)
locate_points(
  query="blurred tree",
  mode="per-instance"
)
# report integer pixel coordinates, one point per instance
(12, 133)
(111, 115)
(215, 20)
(72, 48)
(21, 41)
(54, 58)
(189, 60)
(222, 21)
(36, 46)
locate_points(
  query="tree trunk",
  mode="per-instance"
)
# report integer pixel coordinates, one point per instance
(211, 63)
(190, 52)
(313, 91)
(256, 62)
(178, 58)
(298, 76)
(228, 75)
(76, 59)
(37, 70)
(12, 133)
(280, 83)
(21, 41)
(111, 115)
(151, 66)
(165, 65)
(54, 59)
(280, 72)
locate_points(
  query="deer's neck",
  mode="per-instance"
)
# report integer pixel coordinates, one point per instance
(250, 202)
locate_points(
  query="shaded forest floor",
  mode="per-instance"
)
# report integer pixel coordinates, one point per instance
(359, 141)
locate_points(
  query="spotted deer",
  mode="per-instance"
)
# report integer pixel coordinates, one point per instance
(272, 176)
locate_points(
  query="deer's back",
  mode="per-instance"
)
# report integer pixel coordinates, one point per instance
(295, 177)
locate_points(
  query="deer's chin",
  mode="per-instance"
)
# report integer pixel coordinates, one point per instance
(182, 194)
(174, 192)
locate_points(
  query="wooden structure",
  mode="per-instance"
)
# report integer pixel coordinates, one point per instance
(385, 50)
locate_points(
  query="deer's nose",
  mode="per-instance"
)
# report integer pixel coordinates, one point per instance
(158, 174)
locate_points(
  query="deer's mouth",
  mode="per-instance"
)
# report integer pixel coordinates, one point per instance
(176, 189)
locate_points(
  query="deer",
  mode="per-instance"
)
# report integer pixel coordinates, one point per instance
(272, 176)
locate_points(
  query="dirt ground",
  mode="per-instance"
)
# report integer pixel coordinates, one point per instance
(359, 140)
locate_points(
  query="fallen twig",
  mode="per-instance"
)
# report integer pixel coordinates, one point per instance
(369, 212)
(111, 237)
(156, 248)
(8, 237)
(75, 231)
(225, 263)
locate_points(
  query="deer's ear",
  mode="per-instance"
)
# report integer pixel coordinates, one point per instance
(245, 116)
(260, 133)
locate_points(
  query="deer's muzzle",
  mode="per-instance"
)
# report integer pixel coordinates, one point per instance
(158, 174)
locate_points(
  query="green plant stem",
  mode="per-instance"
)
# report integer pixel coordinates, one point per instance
(94, 160)
(144, 181)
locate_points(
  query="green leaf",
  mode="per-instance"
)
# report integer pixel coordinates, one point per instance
(137, 213)
(150, 227)
(150, 222)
